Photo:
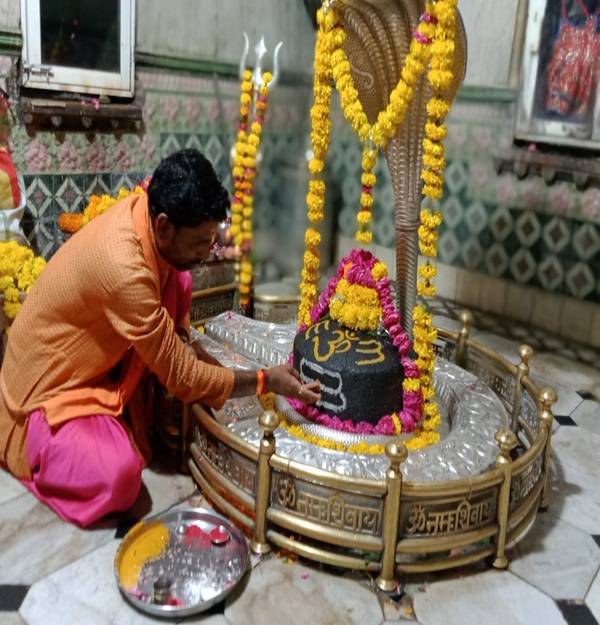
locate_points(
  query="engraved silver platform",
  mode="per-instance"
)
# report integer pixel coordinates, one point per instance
(471, 412)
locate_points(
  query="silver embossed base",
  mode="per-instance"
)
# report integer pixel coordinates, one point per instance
(471, 412)
(459, 501)
(471, 415)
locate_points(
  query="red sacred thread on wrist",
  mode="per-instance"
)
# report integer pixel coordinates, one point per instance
(261, 386)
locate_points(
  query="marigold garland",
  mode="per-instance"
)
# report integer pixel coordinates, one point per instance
(432, 47)
(425, 435)
(359, 298)
(244, 173)
(19, 269)
(331, 62)
(315, 200)
(98, 204)
(440, 77)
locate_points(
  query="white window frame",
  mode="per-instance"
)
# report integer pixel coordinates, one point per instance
(72, 79)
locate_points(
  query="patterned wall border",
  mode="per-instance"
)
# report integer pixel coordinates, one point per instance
(520, 231)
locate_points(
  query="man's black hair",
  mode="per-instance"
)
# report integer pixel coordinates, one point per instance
(187, 190)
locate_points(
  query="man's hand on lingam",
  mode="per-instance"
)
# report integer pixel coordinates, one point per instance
(285, 380)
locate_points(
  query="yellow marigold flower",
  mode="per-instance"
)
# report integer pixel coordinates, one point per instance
(434, 192)
(11, 309)
(312, 237)
(312, 259)
(411, 384)
(425, 288)
(430, 409)
(438, 108)
(366, 200)
(315, 165)
(437, 163)
(379, 271)
(315, 202)
(369, 159)
(427, 271)
(317, 186)
(415, 65)
(368, 179)
(433, 148)
(428, 392)
(315, 216)
(435, 132)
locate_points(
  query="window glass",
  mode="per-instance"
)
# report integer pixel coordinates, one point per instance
(80, 33)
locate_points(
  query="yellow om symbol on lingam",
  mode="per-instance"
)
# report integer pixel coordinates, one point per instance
(341, 343)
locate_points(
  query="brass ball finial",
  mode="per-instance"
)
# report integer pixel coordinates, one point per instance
(548, 397)
(525, 353)
(465, 317)
(268, 421)
(396, 452)
(506, 439)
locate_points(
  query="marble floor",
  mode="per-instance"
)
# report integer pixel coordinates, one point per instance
(52, 573)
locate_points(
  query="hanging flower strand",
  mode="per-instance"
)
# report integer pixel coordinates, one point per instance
(238, 173)
(431, 49)
(244, 173)
(315, 200)
(440, 77)
(368, 179)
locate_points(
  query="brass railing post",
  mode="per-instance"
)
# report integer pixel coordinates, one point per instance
(466, 319)
(268, 421)
(547, 399)
(525, 353)
(397, 454)
(507, 441)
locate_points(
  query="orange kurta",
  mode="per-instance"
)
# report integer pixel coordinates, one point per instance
(96, 304)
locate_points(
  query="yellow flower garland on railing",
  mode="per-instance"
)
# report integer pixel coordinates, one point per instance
(19, 269)
(244, 173)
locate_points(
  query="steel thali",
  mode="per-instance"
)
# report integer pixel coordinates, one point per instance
(180, 563)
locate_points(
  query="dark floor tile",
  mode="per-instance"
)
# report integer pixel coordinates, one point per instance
(596, 537)
(585, 395)
(11, 597)
(576, 613)
(124, 526)
(562, 420)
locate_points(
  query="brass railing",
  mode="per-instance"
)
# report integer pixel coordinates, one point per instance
(388, 526)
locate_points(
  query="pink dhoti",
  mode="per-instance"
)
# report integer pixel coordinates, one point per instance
(87, 467)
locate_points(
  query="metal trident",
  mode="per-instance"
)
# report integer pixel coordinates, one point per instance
(259, 50)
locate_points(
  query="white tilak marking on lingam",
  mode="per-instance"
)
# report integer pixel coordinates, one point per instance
(311, 372)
